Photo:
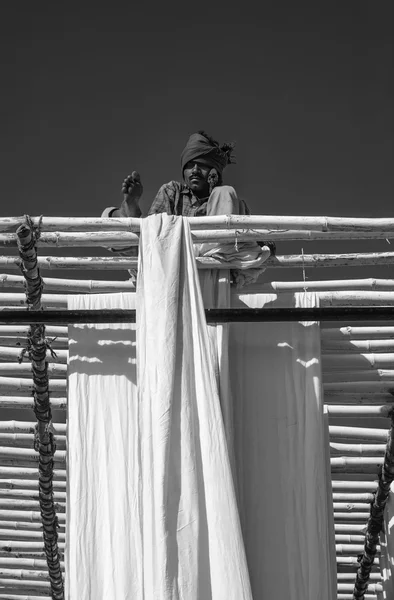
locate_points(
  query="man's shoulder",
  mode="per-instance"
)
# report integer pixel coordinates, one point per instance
(174, 186)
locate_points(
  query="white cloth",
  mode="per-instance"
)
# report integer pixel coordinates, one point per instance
(282, 454)
(387, 549)
(152, 513)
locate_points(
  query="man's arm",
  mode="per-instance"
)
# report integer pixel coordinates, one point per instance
(132, 191)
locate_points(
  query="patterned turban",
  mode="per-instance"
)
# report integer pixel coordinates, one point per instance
(202, 146)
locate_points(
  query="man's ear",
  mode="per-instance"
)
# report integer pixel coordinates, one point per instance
(213, 179)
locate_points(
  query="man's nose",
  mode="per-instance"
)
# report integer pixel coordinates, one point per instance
(196, 168)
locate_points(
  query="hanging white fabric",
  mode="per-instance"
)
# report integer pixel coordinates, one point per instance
(151, 503)
(387, 549)
(282, 453)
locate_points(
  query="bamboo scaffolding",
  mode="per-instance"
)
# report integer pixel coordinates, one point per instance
(350, 528)
(330, 285)
(16, 528)
(359, 375)
(354, 433)
(26, 484)
(344, 411)
(380, 226)
(349, 539)
(44, 443)
(357, 449)
(352, 497)
(25, 536)
(16, 354)
(22, 403)
(23, 330)
(349, 549)
(27, 427)
(375, 521)
(47, 300)
(34, 555)
(346, 397)
(84, 286)
(344, 596)
(351, 464)
(360, 507)
(26, 440)
(376, 387)
(27, 563)
(349, 333)
(18, 342)
(351, 516)
(9, 596)
(352, 560)
(373, 588)
(23, 585)
(377, 577)
(31, 505)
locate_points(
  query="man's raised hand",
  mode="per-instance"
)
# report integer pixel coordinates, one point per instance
(132, 187)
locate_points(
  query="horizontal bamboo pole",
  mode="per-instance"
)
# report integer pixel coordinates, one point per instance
(364, 486)
(28, 427)
(358, 375)
(351, 560)
(350, 528)
(350, 577)
(351, 516)
(373, 588)
(28, 455)
(369, 397)
(7, 354)
(344, 362)
(357, 449)
(28, 546)
(26, 440)
(333, 285)
(28, 484)
(19, 385)
(16, 504)
(352, 507)
(25, 515)
(346, 539)
(25, 536)
(24, 369)
(9, 596)
(23, 585)
(366, 412)
(355, 433)
(35, 555)
(22, 330)
(47, 300)
(285, 261)
(27, 473)
(346, 596)
(351, 464)
(381, 226)
(19, 342)
(352, 497)
(19, 529)
(85, 286)
(29, 494)
(379, 387)
(22, 563)
(22, 403)
(345, 549)
(357, 346)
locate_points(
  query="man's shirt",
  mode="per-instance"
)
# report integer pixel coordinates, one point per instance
(176, 198)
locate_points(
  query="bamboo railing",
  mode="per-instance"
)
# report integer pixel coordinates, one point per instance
(358, 371)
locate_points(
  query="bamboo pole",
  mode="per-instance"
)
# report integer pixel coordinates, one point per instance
(25, 484)
(47, 300)
(26, 440)
(26, 535)
(19, 385)
(377, 577)
(376, 387)
(373, 588)
(361, 398)
(375, 521)
(18, 342)
(381, 226)
(27, 427)
(16, 354)
(26, 563)
(15, 504)
(350, 528)
(24, 369)
(355, 433)
(85, 286)
(16, 402)
(346, 539)
(364, 486)
(330, 285)
(344, 596)
(357, 449)
(344, 411)
(28, 455)
(339, 362)
(355, 333)
(351, 507)
(23, 330)
(357, 346)
(23, 585)
(352, 560)
(29, 495)
(351, 516)
(351, 464)
(298, 261)
(28, 473)
(349, 549)
(9, 596)
(352, 497)
(45, 443)
(25, 515)
(28, 546)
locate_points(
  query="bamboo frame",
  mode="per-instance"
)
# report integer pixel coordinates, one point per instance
(30, 495)
(25, 440)
(357, 346)
(31, 516)
(352, 497)
(55, 369)
(348, 411)
(25, 484)
(44, 442)
(27, 546)
(22, 403)
(355, 433)
(357, 333)
(7, 354)
(350, 464)
(28, 427)
(365, 486)
(28, 455)
(375, 522)
(28, 473)
(26, 386)
(357, 449)
(26, 535)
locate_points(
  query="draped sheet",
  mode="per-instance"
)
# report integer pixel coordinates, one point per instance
(387, 549)
(282, 453)
(152, 512)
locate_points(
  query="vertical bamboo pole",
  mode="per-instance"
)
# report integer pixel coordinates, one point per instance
(44, 439)
(375, 521)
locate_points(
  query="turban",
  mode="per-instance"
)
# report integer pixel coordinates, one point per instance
(207, 151)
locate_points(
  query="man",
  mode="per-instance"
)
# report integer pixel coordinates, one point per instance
(201, 193)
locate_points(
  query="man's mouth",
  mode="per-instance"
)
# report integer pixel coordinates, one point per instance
(195, 178)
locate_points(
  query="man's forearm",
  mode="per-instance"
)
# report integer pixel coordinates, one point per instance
(129, 208)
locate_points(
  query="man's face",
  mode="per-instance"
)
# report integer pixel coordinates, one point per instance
(196, 177)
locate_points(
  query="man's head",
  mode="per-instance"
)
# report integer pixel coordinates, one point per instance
(203, 161)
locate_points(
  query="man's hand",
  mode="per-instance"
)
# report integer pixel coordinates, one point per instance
(132, 191)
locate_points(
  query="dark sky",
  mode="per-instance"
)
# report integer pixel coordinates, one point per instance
(304, 88)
